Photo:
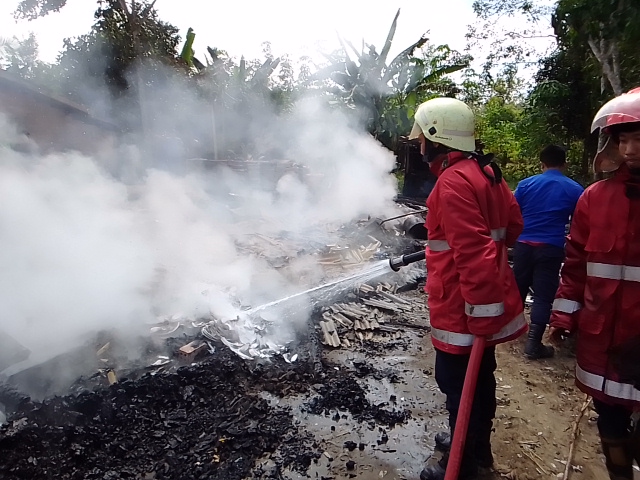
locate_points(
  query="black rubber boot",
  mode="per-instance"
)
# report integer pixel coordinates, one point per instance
(534, 349)
(618, 456)
(443, 441)
(634, 443)
(484, 456)
(468, 466)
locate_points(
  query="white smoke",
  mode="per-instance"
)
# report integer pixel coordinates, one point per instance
(82, 249)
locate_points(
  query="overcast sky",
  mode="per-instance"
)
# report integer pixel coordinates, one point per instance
(293, 27)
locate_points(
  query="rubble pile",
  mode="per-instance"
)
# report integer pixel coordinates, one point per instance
(203, 421)
(377, 313)
(215, 399)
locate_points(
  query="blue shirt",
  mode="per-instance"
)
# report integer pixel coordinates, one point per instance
(547, 201)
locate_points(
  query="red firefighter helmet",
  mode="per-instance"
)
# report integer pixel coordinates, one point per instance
(622, 109)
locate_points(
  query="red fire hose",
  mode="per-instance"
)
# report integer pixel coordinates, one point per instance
(462, 422)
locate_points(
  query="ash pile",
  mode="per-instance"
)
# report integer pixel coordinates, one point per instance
(218, 398)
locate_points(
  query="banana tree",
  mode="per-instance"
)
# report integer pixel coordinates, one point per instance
(387, 93)
(239, 92)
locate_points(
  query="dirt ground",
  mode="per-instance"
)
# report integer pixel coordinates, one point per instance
(537, 407)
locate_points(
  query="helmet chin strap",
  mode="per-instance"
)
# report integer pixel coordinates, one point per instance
(434, 150)
(485, 160)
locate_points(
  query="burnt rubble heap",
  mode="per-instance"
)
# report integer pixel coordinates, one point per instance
(220, 417)
(206, 420)
(203, 421)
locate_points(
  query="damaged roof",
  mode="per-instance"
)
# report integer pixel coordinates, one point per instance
(14, 83)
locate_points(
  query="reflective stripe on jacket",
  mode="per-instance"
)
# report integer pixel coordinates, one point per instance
(471, 288)
(600, 286)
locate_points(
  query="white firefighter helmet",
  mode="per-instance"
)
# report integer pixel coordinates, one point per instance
(618, 111)
(447, 121)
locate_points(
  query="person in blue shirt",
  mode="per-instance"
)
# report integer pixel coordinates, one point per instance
(547, 202)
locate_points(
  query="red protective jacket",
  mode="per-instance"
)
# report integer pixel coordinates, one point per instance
(471, 288)
(599, 294)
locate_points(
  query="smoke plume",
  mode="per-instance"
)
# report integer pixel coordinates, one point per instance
(121, 239)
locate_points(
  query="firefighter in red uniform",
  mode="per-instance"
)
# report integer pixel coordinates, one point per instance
(599, 294)
(473, 217)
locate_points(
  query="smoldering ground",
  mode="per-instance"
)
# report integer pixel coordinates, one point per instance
(118, 240)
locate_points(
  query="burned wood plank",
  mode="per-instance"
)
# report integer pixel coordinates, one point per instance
(417, 326)
(381, 304)
(394, 298)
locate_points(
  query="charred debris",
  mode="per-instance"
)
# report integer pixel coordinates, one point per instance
(204, 403)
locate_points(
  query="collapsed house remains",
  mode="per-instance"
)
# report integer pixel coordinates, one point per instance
(51, 123)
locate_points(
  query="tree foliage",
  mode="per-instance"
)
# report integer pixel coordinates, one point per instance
(594, 58)
(20, 57)
(609, 28)
(32, 9)
(506, 32)
(386, 93)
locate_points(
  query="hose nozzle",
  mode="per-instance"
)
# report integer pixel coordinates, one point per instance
(403, 260)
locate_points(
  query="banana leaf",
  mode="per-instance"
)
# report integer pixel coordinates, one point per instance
(358, 54)
(343, 80)
(387, 44)
(326, 72)
(198, 65)
(352, 69)
(187, 50)
(405, 55)
(433, 77)
(214, 53)
(262, 74)
(242, 69)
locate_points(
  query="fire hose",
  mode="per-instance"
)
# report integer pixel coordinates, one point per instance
(464, 411)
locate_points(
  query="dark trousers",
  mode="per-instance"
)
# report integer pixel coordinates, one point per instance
(538, 267)
(450, 373)
(614, 421)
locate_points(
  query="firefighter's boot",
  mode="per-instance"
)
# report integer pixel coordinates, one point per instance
(443, 441)
(619, 458)
(534, 349)
(468, 466)
(484, 457)
(635, 443)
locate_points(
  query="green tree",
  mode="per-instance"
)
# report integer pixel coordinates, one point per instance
(610, 29)
(20, 57)
(125, 51)
(118, 39)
